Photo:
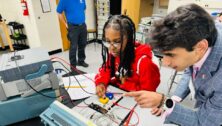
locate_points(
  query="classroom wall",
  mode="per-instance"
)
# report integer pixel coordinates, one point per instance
(90, 14)
(47, 26)
(42, 29)
(157, 9)
(9, 11)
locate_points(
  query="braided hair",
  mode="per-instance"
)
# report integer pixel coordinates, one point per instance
(126, 27)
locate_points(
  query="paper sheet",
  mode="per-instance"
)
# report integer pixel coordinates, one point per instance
(75, 92)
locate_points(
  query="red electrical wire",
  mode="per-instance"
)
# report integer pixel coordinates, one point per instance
(72, 67)
(128, 119)
(131, 113)
(131, 110)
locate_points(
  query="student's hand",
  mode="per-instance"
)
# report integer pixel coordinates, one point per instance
(157, 111)
(101, 90)
(146, 99)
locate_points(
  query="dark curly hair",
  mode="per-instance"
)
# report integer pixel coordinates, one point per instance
(184, 28)
(126, 27)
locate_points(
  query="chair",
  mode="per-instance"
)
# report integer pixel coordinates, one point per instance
(94, 32)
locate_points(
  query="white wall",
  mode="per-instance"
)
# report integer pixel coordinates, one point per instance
(9, 11)
(90, 14)
(47, 26)
(159, 10)
(30, 25)
(209, 5)
(42, 29)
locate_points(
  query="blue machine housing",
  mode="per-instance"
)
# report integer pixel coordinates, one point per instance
(23, 108)
(30, 62)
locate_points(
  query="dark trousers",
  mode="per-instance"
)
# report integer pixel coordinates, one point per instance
(78, 38)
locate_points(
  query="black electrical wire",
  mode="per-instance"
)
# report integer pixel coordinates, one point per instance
(18, 67)
(70, 83)
(82, 87)
(76, 79)
(65, 72)
(85, 103)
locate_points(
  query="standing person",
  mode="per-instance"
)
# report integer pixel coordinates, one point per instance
(77, 32)
(126, 63)
(189, 38)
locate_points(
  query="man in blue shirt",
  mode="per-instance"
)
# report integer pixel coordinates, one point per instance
(77, 31)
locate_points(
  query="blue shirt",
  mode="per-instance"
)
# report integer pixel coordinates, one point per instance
(74, 10)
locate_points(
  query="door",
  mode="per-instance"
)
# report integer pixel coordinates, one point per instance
(136, 9)
(47, 24)
(131, 9)
(65, 41)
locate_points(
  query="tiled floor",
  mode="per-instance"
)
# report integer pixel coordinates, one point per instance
(93, 58)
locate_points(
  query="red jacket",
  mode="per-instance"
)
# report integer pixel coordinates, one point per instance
(145, 75)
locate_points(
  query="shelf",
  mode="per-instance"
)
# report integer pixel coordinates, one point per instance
(16, 26)
(20, 37)
(20, 46)
(17, 36)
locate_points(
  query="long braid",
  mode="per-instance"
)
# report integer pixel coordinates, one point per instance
(129, 52)
(105, 53)
(121, 55)
(126, 27)
(112, 63)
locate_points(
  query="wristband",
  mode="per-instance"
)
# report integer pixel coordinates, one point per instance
(161, 101)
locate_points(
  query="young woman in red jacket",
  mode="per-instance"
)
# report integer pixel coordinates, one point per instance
(126, 63)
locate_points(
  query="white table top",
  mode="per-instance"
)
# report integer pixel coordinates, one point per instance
(145, 117)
